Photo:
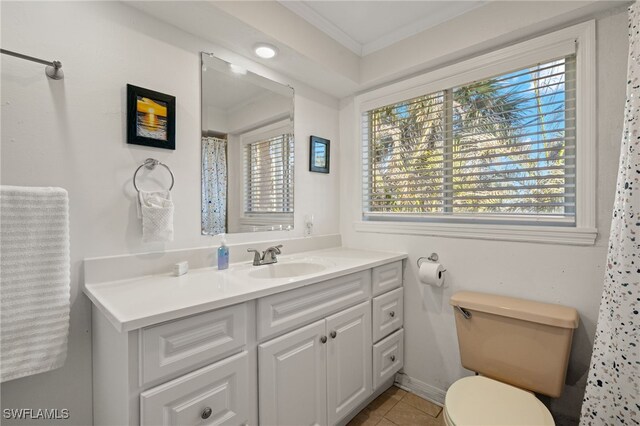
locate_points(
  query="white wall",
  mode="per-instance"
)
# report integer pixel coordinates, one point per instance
(214, 119)
(71, 133)
(234, 182)
(481, 30)
(265, 109)
(552, 273)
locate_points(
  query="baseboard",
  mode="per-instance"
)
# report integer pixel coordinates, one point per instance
(420, 388)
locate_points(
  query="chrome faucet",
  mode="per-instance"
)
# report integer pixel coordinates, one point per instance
(270, 254)
(267, 257)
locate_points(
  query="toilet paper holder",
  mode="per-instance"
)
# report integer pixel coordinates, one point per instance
(433, 257)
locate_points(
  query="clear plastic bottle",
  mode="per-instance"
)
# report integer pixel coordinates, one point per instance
(223, 253)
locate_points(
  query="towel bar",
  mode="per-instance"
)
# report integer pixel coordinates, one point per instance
(150, 164)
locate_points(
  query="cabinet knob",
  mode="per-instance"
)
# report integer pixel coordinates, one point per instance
(333, 334)
(206, 413)
(392, 314)
(393, 358)
(323, 339)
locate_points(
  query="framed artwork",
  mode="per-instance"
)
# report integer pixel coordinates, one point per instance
(319, 155)
(151, 118)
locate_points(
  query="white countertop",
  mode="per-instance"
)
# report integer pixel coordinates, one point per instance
(139, 302)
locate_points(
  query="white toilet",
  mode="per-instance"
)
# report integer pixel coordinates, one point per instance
(518, 347)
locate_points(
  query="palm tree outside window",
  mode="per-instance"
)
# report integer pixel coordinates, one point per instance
(500, 147)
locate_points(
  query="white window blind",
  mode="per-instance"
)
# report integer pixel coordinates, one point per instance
(268, 175)
(494, 149)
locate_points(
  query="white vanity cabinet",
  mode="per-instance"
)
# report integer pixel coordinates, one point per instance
(319, 373)
(388, 320)
(333, 359)
(312, 354)
(196, 370)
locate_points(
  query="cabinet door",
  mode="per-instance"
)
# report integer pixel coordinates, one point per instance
(348, 360)
(292, 378)
(213, 395)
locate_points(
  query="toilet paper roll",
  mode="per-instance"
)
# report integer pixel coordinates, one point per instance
(431, 273)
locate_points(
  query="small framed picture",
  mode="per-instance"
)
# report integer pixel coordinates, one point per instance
(151, 118)
(319, 155)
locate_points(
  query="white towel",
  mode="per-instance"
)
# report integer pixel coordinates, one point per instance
(34, 280)
(156, 211)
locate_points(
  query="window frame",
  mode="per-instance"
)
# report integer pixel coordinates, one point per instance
(579, 40)
(261, 134)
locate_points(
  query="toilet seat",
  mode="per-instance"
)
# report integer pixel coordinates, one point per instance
(478, 400)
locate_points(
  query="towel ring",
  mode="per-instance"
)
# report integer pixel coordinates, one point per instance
(150, 164)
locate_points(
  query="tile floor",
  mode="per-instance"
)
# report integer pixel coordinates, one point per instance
(398, 407)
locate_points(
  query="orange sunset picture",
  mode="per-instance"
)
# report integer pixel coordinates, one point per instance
(151, 118)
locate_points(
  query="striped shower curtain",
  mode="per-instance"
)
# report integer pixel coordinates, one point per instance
(612, 396)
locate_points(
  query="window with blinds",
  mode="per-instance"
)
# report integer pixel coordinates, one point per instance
(268, 176)
(499, 148)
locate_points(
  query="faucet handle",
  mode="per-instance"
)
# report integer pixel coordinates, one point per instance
(257, 257)
(272, 252)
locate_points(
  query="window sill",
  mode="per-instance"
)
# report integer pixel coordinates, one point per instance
(521, 233)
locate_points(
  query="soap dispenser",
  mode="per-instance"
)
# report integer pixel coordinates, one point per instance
(223, 253)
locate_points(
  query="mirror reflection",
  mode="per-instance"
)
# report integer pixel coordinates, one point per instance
(247, 150)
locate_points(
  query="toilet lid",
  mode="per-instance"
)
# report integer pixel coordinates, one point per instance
(478, 400)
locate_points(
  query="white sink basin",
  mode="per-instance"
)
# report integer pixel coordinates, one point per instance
(286, 270)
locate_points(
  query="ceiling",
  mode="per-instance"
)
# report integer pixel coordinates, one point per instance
(226, 90)
(367, 26)
(345, 47)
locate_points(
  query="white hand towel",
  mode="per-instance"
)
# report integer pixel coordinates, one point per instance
(156, 211)
(34, 280)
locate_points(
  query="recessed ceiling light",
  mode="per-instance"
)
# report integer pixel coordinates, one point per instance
(265, 50)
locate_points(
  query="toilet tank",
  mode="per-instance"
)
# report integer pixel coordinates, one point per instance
(515, 341)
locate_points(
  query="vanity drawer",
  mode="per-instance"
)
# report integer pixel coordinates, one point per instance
(215, 394)
(191, 342)
(387, 277)
(388, 313)
(284, 311)
(388, 357)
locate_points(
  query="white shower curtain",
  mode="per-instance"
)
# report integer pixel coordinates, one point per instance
(214, 185)
(612, 396)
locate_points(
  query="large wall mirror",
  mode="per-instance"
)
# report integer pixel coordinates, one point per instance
(247, 150)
